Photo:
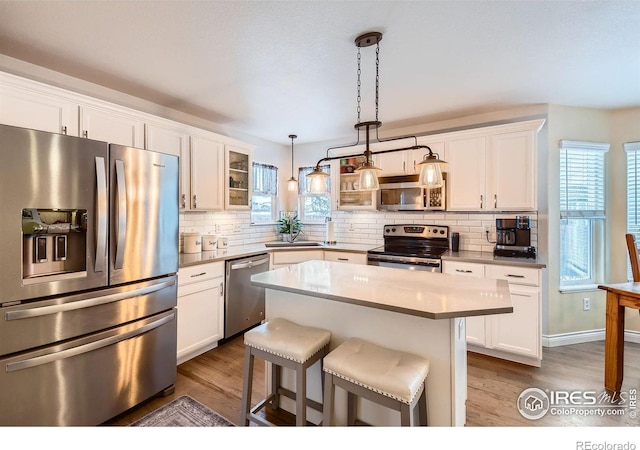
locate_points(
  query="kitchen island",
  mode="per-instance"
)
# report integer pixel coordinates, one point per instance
(418, 312)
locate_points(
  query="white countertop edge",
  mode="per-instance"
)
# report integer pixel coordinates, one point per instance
(412, 312)
(422, 297)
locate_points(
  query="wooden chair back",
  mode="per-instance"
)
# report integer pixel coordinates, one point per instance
(633, 256)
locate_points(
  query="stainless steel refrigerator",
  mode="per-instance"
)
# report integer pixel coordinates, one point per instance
(88, 263)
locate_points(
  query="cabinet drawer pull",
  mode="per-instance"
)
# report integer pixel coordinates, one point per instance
(85, 134)
(481, 201)
(343, 259)
(195, 201)
(198, 274)
(514, 276)
(64, 130)
(184, 201)
(464, 271)
(495, 200)
(221, 289)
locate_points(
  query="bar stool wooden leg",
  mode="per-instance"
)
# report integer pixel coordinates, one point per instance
(301, 395)
(422, 406)
(327, 409)
(351, 409)
(247, 385)
(275, 384)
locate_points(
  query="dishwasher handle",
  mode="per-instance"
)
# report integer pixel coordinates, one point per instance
(249, 264)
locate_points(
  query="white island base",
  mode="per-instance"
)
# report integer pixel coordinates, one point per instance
(442, 342)
(416, 312)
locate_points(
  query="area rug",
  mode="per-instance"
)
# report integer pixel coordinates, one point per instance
(183, 412)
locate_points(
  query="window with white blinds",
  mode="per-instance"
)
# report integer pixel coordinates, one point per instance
(633, 193)
(582, 184)
(582, 208)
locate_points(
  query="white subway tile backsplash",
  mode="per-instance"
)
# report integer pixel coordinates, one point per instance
(355, 227)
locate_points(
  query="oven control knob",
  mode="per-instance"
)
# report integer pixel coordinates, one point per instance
(435, 231)
(387, 230)
(441, 231)
(393, 229)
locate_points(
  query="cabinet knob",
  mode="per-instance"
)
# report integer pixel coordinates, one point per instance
(184, 201)
(481, 201)
(64, 130)
(195, 201)
(495, 200)
(85, 134)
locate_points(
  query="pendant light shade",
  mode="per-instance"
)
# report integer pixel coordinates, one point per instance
(317, 181)
(368, 174)
(431, 171)
(292, 184)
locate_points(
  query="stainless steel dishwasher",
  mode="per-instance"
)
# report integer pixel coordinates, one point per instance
(243, 303)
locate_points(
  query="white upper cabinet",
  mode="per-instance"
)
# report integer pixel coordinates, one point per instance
(22, 107)
(493, 168)
(172, 138)
(405, 162)
(466, 174)
(512, 161)
(207, 169)
(112, 124)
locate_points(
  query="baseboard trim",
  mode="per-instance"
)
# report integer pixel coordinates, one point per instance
(579, 337)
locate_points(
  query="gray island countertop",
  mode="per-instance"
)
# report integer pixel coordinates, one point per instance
(424, 294)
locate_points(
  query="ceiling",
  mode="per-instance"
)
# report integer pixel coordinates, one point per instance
(272, 68)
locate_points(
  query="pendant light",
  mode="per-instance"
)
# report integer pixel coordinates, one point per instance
(292, 184)
(430, 167)
(431, 170)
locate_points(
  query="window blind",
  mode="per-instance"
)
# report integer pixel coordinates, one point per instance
(633, 188)
(265, 179)
(582, 179)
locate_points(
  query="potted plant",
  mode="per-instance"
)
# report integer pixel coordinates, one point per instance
(289, 224)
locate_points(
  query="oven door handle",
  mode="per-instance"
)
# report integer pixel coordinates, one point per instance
(86, 348)
(80, 304)
(399, 260)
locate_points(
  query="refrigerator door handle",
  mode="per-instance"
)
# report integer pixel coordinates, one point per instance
(81, 304)
(102, 214)
(74, 351)
(121, 220)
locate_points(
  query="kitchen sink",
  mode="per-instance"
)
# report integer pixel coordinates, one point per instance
(293, 244)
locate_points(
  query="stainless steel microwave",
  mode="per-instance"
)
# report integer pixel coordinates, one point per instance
(402, 193)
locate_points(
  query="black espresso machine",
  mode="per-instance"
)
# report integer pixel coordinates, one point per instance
(513, 238)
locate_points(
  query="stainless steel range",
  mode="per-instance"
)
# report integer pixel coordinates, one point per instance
(413, 247)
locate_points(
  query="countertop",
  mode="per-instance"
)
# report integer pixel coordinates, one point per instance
(239, 251)
(431, 295)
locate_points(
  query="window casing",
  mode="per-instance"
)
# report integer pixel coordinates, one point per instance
(265, 193)
(313, 208)
(582, 211)
(633, 194)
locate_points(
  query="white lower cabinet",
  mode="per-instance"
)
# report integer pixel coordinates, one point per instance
(346, 257)
(287, 258)
(515, 336)
(200, 309)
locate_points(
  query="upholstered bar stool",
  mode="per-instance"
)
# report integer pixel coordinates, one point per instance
(283, 344)
(391, 378)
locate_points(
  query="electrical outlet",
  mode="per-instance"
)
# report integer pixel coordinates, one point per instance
(586, 304)
(237, 228)
(217, 228)
(351, 228)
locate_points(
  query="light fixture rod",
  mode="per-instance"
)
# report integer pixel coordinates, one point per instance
(413, 147)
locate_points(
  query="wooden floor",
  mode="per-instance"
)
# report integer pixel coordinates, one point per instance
(215, 379)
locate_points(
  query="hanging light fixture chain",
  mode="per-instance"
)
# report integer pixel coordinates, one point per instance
(359, 97)
(377, 78)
